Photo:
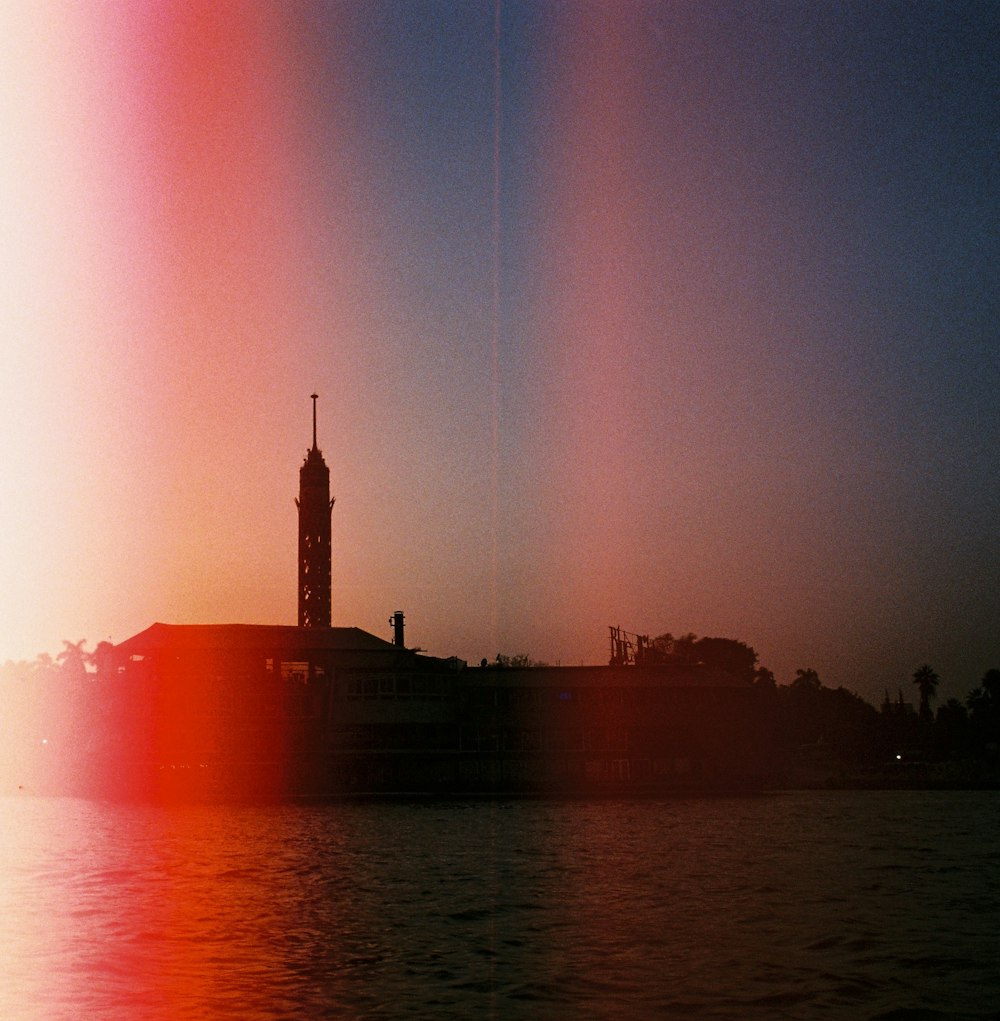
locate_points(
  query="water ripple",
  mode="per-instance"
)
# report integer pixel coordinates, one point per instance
(859, 905)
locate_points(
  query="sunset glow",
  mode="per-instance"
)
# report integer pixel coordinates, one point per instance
(644, 319)
(498, 508)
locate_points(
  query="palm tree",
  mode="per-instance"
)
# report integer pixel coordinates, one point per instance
(926, 681)
(74, 658)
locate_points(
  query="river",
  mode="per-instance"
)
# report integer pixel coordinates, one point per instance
(787, 905)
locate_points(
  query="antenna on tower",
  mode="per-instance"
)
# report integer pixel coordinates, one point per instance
(314, 399)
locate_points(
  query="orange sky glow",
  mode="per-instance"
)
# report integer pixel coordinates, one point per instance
(706, 396)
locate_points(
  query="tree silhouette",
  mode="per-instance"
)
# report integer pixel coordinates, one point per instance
(926, 681)
(101, 658)
(728, 654)
(984, 709)
(735, 658)
(42, 665)
(951, 729)
(991, 685)
(74, 658)
(806, 680)
(522, 659)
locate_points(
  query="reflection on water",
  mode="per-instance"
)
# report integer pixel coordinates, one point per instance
(811, 905)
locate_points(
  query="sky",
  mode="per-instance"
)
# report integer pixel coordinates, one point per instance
(676, 316)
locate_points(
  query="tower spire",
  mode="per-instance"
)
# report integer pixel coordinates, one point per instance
(315, 507)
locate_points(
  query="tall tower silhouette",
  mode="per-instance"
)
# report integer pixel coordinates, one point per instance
(315, 509)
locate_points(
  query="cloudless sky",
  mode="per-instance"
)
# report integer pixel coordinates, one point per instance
(678, 316)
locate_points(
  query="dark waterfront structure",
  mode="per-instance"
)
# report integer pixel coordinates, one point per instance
(251, 711)
(268, 711)
(315, 510)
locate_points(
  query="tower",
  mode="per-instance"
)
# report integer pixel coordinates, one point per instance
(315, 509)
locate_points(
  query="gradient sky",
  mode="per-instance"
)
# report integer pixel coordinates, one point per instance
(678, 316)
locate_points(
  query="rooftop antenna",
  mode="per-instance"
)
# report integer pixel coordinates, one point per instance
(314, 399)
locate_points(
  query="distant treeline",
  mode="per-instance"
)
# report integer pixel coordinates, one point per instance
(833, 733)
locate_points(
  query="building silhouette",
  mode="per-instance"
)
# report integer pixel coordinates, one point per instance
(268, 710)
(315, 511)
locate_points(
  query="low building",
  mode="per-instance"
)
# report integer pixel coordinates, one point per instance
(271, 711)
(611, 729)
(240, 710)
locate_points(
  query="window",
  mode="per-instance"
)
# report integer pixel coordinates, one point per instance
(295, 672)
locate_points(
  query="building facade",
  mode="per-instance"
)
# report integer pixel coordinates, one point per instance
(260, 711)
(313, 711)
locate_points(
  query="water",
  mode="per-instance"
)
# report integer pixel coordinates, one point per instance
(799, 905)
